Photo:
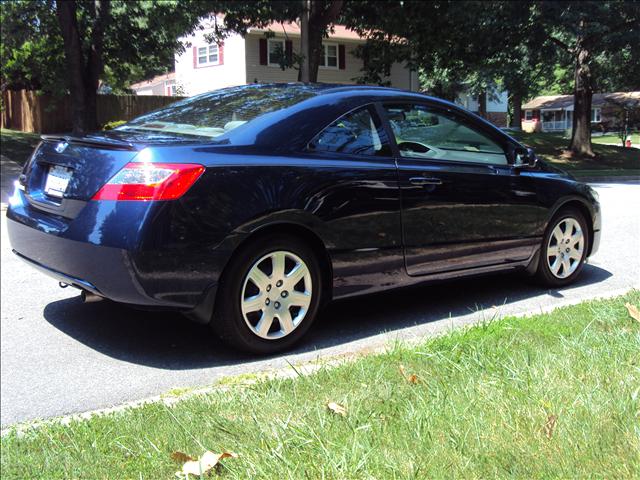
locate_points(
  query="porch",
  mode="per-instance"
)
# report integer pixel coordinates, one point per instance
(553, 120)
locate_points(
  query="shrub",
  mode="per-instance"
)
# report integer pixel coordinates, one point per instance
(113, 124)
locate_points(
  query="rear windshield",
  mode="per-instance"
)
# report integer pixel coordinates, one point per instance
(215, 113)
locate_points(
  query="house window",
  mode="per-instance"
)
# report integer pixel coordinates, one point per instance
(170, 87)
(329, 58)
(528, 115)
(595, 115)
(208, 55)
(276, 51)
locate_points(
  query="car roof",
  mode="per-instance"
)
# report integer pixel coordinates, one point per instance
(338, 89)
(296, 125)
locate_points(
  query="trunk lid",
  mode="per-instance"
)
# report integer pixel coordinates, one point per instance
(65, 172)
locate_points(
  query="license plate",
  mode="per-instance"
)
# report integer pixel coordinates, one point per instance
(57, 181)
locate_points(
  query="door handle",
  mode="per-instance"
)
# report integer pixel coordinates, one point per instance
(425, 181)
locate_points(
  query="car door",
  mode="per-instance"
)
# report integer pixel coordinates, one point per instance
(358, 201)
(463, 205)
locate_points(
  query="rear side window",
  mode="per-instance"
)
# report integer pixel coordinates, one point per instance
(215, 113)
(357, 133)
(422, 132)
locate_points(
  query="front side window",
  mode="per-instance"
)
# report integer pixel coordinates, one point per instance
(356, 133)
(276, 51)
(208, 55)
(329, 57)
(422, 132)
(595, 115)
(528, 115)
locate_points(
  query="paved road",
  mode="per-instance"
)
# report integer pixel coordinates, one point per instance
(60, 356)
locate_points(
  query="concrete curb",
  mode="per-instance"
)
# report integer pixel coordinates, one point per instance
(308, 367)
(620, 179)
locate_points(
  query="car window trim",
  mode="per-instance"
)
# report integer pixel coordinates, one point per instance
(504, 143)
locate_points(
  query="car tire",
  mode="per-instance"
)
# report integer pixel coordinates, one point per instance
(564, 249)
(263, 311)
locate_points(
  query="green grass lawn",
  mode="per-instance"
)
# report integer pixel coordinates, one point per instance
(550, 396)
(634, 137)
(610, 160)
(17, 146)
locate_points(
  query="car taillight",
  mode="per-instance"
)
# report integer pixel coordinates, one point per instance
(150, 181)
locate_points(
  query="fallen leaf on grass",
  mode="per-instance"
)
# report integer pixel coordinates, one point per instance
(633, 311)
(203, 465)
(413, 378)
(550, 426)
(181, 457)
(337, 408)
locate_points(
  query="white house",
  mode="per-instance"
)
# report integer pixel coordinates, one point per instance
(496, 102)
(206, 66)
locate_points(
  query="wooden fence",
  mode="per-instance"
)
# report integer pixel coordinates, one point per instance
(26, 111)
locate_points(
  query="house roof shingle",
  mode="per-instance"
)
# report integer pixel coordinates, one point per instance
(340, 32)
(154, 81)
(564, 101)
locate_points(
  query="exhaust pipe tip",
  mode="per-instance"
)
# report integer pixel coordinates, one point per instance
(88, 297)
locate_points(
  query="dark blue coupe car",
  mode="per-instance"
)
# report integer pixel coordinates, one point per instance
(248, 208)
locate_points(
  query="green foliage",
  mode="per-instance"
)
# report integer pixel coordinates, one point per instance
(113, 124)
(140, 40)
(31, 48)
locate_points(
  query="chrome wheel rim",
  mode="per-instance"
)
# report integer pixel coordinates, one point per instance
(276, 295)
(565, 248)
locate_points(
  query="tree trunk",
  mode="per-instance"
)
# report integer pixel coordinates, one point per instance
(319, 19)
(100, 11)
(482, 104)
(84, 73)
(583, 94)
(316, 32)
(516, 103)
(67, 19)
(303, 73)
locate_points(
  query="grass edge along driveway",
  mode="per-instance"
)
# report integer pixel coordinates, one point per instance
(554, 395)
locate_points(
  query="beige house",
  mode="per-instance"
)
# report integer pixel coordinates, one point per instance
(206, 66)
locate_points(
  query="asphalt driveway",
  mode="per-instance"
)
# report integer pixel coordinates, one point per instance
(60, 356)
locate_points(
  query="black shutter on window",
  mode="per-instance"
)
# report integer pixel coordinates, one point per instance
(341, 57)
(263, 51)
(288, 50)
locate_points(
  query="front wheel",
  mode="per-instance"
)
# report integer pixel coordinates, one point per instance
(564, 249)
(269, 295)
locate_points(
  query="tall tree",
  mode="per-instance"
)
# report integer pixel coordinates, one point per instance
(59, 46)
(85, 64)
(31, 49)
(590, 33)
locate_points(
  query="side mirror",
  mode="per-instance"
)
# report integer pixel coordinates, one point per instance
(524, 158)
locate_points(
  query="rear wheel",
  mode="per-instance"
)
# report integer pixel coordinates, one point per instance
(564, 249)
(269, 295)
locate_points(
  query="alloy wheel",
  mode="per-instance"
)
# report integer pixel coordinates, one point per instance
(565, 247)
(276, 295)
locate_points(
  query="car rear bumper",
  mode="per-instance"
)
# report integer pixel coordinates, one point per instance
(98, 269)
(124, 251)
